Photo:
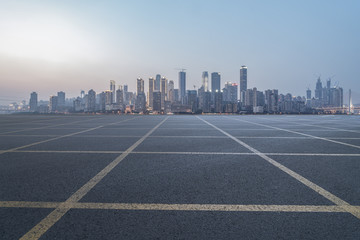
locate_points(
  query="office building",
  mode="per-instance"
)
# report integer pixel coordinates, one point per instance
(205, 81)
(61, 99)
(157, 82)
(164, 83)
(151, 90)
(112, 89)
(182, 86)
(243, 83)
(215, 82)
(33, 102)
(157, 101)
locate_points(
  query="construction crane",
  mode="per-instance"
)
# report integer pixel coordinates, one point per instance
(180, 69)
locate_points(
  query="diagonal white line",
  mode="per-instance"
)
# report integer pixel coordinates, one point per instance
(59, 137)
(299, 133)
(45, 224)
(338, 201)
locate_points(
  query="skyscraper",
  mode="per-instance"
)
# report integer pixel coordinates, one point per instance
(157, 82)
(205, 81)
(151, 90)
(318, 89)
(243, 82)
(215, 82)
(33, 102)
(164, 83)
(91, 101)
(171, 97)
(182, 86)
(140, 86)
(61, 99)
(53, 105)
(112, 89)
(120, 96)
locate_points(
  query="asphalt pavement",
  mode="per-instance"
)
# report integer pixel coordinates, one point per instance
(179, 177)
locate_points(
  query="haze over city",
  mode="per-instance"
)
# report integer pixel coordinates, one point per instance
(70, 46)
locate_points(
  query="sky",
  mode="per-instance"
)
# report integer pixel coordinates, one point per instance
(50, 46)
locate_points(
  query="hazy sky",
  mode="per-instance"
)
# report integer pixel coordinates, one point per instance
(50, 46)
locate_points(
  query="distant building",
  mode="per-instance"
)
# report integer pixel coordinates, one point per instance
(215, 82)
(164, 83)
(157, 101)
(33, 102)
(192, 100)
(112, 89)
(182, 86)
(151, 90)
(243, 82)
(205, 81)
(218, 101)
(53, 105)
(91, 101)
(230, 92)
(139, 86)
(120, 96)
(157, 82)
(308, 94)
(61, 99)
(171, 94)
(271, 100)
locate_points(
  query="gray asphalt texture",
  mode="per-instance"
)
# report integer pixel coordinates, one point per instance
(184, 161)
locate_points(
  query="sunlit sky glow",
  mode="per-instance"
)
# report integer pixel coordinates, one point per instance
(51, 46)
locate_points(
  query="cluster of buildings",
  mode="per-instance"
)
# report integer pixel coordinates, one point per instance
(163, 98)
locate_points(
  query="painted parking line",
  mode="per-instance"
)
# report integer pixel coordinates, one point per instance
(59, 137)
(44, 225)
(46, 127)
(346, 206)
(320, 126)
(299, 133)
(178, 207)
(194, 153)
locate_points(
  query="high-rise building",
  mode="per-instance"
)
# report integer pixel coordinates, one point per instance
(33, 102)
(308, 94)
(108, 97)
(243, 82)
(164, 83)
(157, 82)
(171, 97)
(112, 89)
(182, 86)
(271, 100)
(218, 102)
(205, 81)
(230, 92)
(53, 105)
(151, 90)
(192, 100)
(215, 82)
(157, 101)
(318, 89)
(120, 96)
(61, 99)
(126, 95)
(91, 101)
(140, 86)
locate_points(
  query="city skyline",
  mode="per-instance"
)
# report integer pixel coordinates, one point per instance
(65, 46)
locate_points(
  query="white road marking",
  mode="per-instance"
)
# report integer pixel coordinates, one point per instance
(299, 133)
(195, 153)
(45, 224)
(179, 207)
(341, 203)
(56, 138)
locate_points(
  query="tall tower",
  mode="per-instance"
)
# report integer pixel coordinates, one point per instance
(215, 82)
(112, 89)
(33, 102)
(151, 90)
(243, 82)
(61, 98)
(318, 89)
(157, 82)
(164, 83)
(205, 81)
(182, 85)
(171, 97)
(140, 86)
